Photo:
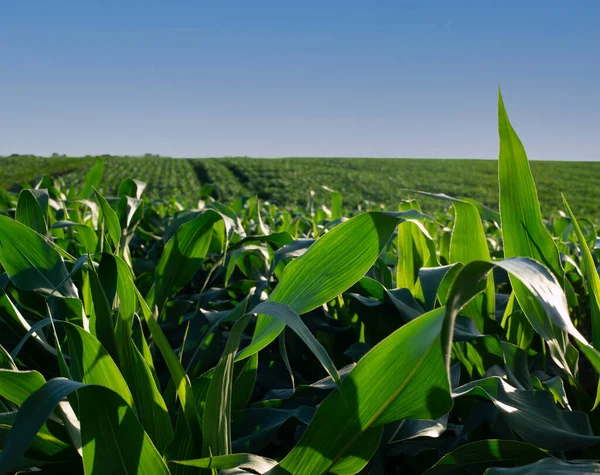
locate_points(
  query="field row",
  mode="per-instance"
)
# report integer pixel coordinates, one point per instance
(289, 181)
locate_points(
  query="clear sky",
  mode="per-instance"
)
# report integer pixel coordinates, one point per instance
(299, 78)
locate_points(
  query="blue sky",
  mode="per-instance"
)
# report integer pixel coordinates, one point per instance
(309, 78)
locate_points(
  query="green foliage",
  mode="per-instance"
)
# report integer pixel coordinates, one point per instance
(195, 326)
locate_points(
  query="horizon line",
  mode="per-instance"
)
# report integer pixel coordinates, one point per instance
(286, 157)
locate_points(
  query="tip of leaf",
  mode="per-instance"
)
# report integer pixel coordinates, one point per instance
(500, 101)
(503, 121)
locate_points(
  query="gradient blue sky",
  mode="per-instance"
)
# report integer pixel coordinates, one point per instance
(303, 78)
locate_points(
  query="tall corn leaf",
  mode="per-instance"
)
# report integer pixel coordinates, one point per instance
(524, 233)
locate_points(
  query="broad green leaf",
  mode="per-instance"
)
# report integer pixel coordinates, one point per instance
(359, 453)
(522, 227)
(32, 263)
(256, 256)
(335, 261)
(402, 377)
(16, 386)
(113, 439)
(90, 363)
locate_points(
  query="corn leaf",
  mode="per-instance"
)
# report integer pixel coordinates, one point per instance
(32, 210)
(183, 255)
(113, 439)
(30, 262)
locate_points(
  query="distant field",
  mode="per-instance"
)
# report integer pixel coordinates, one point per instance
(288, 181)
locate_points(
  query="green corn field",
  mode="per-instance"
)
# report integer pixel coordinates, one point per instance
(233, 335)
(365, 183)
